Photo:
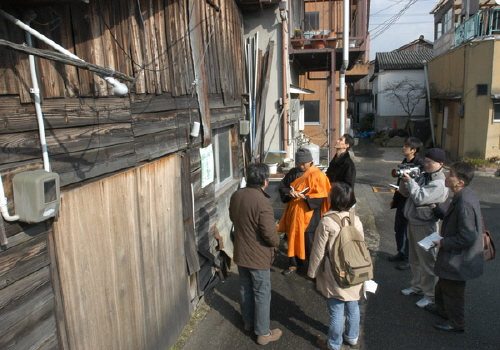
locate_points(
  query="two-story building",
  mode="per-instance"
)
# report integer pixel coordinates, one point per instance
(465, 78)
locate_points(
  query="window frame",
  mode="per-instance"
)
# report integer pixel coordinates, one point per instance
(318, 107)
(307, 21)
(496, 112)
(226, 149)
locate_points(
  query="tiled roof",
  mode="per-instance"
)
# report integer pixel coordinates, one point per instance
(402, 60)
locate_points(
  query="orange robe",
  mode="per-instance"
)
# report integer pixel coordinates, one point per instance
(297, 214)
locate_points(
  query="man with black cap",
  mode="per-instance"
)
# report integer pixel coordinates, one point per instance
(304, 190)
(423, 194)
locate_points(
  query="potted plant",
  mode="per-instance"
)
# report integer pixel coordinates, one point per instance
(298, 40)
(318, 44)
(331, 40)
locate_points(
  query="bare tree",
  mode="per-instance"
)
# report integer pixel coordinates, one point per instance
(406, 92)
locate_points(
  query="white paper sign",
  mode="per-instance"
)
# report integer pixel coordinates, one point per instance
(207, 165)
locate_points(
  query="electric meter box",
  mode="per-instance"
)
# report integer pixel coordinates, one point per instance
(36, 195)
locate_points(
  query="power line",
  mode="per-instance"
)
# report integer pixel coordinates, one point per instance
(375, 32)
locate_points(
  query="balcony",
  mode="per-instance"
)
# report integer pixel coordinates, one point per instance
(313, 50)
(484, 23)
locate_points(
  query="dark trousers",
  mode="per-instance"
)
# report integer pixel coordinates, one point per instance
(450, 300)
(400, 224)
(294, 261)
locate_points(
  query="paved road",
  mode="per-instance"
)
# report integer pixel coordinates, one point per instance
(390, 320)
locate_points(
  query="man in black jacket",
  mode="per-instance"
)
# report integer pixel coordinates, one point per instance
(341, 168)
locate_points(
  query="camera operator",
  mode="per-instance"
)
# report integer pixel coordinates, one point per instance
(410, 149)
(423, 194)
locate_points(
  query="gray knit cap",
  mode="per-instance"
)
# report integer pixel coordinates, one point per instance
(303, 155)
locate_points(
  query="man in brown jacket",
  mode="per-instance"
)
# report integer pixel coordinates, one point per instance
(255, 239)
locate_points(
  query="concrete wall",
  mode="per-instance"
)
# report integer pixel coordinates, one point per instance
(454, 78)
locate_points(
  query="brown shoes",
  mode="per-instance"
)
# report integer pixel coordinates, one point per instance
(274, 334)
(322, 344)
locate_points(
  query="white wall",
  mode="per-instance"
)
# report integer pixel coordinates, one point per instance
(387, 111)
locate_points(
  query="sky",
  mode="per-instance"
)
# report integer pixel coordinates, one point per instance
(388, 32)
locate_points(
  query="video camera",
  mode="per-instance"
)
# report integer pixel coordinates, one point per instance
(406, 168)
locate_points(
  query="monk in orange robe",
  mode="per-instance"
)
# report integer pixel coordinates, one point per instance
(305, 190)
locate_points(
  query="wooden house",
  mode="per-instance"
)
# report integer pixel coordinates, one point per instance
(133, 247)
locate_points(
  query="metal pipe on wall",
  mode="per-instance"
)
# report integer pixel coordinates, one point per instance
(284, 71)
(343, 68)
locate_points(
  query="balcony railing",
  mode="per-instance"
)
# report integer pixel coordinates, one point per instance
(485, 23)
(321, 39)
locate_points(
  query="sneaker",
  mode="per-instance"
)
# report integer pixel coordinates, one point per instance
(274, 334)
(424, 301)
(349, 342)
(411, 291)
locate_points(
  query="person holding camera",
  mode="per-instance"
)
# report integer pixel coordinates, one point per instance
(410, 149)
(304, 190)
(423, 194)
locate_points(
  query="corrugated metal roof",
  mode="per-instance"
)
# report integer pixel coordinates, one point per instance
(402, 60)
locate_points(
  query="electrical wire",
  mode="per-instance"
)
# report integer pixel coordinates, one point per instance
(378, 30)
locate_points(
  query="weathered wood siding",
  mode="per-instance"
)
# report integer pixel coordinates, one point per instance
(92, 136)
(121, 262)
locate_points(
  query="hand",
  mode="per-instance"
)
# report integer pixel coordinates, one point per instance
(405, 177)
(295, 194)
(437, 243)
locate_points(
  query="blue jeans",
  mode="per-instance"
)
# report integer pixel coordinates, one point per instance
(255, 293)
(336, 308)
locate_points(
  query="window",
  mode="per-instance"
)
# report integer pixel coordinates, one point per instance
(311, 21)
(311, 112)
(482, 89)
(496, 112)
(221, 139)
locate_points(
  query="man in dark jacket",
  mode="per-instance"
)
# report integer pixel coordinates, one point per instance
(460, 251)
(411, 146)
(255, 242)
(341, 167)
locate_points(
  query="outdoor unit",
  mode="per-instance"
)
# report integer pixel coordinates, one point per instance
(36, 195)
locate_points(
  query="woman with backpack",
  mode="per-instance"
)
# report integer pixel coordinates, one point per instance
(341, 199)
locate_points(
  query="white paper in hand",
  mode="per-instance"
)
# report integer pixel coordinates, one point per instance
(369, 286)
(427, 242)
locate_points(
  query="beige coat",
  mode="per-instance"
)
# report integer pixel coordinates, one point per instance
(320, 266)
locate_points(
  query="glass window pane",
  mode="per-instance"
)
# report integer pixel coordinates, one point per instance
(496, 112)
(311, 112)
(224, 155)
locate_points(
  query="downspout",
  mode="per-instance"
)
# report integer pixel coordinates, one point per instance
(426, 76)
(343, 68)
(284, 71)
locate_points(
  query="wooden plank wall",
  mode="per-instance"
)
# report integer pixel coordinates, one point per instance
(149, 40)
(120, 259)
(92, 135)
